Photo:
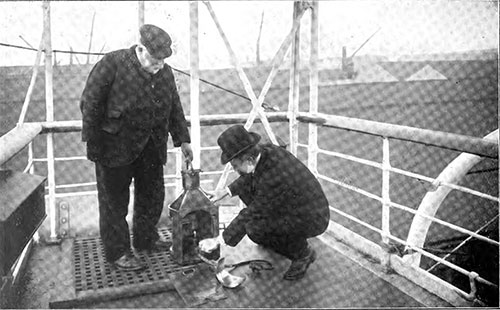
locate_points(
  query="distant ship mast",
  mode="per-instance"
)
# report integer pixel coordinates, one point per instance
(348, 62)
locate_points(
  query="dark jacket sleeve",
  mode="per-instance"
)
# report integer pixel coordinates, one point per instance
(178, 125)
(236, 230)
(94, 96)
(284, 193)
(240, 186)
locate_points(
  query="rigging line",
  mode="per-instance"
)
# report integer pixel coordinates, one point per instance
(54, 51)
(264, 104)
(483, 170)
(441, 251)
(463, 242)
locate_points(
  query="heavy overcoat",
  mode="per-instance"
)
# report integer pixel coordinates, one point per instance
(123, 106)
(283, 191)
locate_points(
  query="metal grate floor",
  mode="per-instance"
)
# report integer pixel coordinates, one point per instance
(92, 272)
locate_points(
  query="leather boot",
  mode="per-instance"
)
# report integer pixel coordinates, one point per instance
(129, 262)
(299, 266)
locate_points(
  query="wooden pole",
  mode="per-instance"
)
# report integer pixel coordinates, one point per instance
(257, 59)
(140, 13)
(90, 40)
(194, 82)
(49, 106)
(293, 102)
(31, 87)
(276, 63)
(313, 88)
(257, 104)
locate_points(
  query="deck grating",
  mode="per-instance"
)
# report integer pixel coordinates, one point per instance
(92, 272)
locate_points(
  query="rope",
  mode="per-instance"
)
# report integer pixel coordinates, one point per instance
(265, 105)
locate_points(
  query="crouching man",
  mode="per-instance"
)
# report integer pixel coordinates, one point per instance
(285, 204)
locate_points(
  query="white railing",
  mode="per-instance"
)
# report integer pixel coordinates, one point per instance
(24, 133)
(487, 147)
(17, 139)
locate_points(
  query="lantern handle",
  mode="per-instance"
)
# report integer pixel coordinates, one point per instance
(189, 165)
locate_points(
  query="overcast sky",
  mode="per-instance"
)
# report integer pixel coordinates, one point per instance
(406, 27)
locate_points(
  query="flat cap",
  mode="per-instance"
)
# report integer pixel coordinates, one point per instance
(156, 40)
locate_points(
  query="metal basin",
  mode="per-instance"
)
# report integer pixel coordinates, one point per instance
(222, 274)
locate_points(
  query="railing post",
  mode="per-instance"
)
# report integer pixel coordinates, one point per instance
(386, 199)
(140, 13)
(194, 82)
(313, 89)
(31, 170)
(49, 106)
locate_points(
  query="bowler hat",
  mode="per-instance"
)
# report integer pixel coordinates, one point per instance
(235, 140)
(156, 41)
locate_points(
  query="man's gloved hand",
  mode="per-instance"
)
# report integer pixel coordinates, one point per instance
(210, 244)
(187, 151)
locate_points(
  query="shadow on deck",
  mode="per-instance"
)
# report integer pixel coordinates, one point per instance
(340, 278)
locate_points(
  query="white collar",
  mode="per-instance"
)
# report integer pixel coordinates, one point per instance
(256, 163)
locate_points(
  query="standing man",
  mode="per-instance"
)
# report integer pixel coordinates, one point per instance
(285, 204)
(129, 106)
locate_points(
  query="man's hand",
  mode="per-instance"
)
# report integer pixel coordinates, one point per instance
(187, 151)
(217, 194)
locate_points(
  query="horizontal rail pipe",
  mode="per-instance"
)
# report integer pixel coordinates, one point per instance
(18, 138)
(417, 249)
(432, 181)
(451, 141)
(453, 173)
(445, 140)
(409, 210)
(205, 120)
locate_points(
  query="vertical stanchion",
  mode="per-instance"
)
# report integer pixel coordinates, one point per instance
(386, 166)
(49, 106)
(140, 11)
(386, 199)
(313, 89)
(293, 101)
(194, 82)
(31, 170)
(24, 110)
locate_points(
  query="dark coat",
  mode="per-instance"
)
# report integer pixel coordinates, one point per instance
(283, 191)
(123, 106)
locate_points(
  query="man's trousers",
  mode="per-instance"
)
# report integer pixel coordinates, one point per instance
(286, 234)
(113, 187)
